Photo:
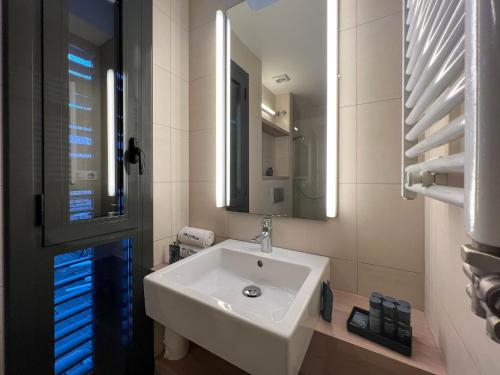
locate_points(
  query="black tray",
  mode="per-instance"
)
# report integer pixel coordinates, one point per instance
(375, 337)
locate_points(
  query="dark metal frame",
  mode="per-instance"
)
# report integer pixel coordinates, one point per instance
(57, 228)
(28, 263)
(241, 203)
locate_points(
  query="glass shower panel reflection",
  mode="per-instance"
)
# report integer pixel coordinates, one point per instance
(95, 109)
(93, 309)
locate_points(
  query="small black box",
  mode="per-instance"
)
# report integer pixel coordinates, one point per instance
(365, 332)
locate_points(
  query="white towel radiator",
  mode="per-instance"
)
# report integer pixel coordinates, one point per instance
(451, 56)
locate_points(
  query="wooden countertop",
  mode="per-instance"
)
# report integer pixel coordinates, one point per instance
(426, 354)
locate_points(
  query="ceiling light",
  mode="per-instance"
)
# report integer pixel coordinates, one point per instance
(268, 110)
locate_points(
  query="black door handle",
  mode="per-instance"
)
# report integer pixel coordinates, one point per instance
(136, 155)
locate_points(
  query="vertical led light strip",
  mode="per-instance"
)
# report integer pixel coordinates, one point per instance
(111, 133)
(332, 109)
(228, 110)
(220, 110)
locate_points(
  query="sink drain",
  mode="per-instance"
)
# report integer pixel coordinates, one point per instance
(251, 291)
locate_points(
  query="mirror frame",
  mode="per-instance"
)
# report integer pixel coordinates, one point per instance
(222, 111)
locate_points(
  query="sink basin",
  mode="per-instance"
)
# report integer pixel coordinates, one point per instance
(202, 299)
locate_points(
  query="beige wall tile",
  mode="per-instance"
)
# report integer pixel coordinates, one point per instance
(347, 144)
(347, 14)
(282, 146)
(202, 51)
(379, 60)
(431, 229)
(161, 96)
(455, 352)
(219, 239)
(180, 103)
(344, 275)
(202, 155)
(202, 103)
(180, 12)
(336, 238)
(449, 283)
(164, 5)
(333, 238)
(202, 211)
(180, 155)
(180, 206)
(399, 284)
(282, 166)
(180, 51)
(161, 38)
(162, 210)
(161, 154)
(242, 55)
(369, 10)
(347, 67)
(379, 142)
(160, 250)
(203, 11)
(243, 226)
(390, 229)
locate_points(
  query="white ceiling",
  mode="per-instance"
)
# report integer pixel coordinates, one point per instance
(288, 37)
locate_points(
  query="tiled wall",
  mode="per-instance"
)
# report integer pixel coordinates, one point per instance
(170, 121)
(170, 128)
(460, 334)
(377, 240)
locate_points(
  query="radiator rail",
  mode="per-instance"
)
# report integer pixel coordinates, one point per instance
(451, 55)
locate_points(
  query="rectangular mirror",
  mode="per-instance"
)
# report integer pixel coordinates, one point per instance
(280, 134)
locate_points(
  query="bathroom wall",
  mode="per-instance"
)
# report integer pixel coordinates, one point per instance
(377, 240)
(170, 122)
(459, 333)
(170, 128)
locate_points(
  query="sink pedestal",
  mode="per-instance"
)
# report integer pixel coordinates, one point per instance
(176, 346)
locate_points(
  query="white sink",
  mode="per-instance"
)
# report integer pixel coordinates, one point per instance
(201, 299)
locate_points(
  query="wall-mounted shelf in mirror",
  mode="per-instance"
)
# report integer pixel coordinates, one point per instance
(275, 177)
(273, 130)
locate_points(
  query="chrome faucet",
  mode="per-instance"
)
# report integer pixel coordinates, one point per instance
(265, 237)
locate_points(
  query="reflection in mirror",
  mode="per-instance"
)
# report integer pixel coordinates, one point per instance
(278, 109)
(95, 119)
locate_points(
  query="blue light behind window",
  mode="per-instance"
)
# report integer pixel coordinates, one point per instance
(80, 127)
(80, 107)
(80, 216)
(80, 140)
(74, 312)
(80, 61)
(79, 193)
(74, 73)
(80, 155)
(84, 204)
